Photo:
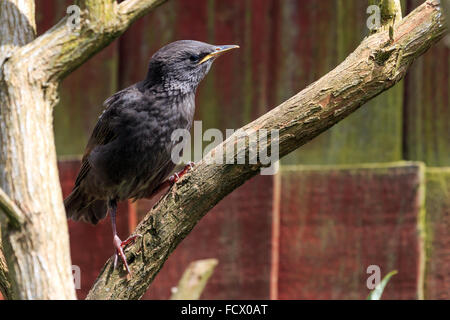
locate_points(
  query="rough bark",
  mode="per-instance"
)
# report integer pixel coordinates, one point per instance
(37, 250)
(375, 66)
(5, 284)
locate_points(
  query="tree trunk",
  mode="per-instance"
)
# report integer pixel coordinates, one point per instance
(38, 253)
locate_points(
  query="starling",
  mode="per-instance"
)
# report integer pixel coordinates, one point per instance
(128, 155)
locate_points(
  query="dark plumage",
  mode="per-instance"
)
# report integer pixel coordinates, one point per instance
(129, 152)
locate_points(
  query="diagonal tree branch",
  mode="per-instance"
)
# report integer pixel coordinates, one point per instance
(131, 10)
(375, 66)
(62, 49)
(95, 9)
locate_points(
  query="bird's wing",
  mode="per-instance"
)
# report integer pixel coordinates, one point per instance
(102, 134)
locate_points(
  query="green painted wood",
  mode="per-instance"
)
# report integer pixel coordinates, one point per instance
(427, 107)
(371, 134)
(437, 239)
(82, 96)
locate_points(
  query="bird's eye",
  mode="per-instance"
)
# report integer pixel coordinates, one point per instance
(194, 58)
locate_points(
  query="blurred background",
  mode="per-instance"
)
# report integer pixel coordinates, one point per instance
(373, 190)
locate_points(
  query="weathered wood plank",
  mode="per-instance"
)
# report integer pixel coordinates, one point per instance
(437, 226)
(335, 222)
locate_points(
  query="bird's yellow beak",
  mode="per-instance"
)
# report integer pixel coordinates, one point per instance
(218, 51)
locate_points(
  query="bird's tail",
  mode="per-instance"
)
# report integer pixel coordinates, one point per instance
(80, 207)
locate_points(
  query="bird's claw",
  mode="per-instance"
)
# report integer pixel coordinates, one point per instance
(176, 176)
(130, 239)
(119, 245)
(190, 165)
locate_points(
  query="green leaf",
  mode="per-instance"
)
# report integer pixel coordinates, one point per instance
(376, 293)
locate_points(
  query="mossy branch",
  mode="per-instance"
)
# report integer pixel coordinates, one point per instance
(324, 103)
(62, 49)
(390, 10)
(390, 14)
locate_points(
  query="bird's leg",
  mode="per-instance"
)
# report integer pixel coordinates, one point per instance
(119, 244)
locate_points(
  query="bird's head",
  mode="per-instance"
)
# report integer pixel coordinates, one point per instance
(181, 65)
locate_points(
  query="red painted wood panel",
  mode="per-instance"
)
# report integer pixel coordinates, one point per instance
(90, 246)
(334, 223)
(237, 232)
